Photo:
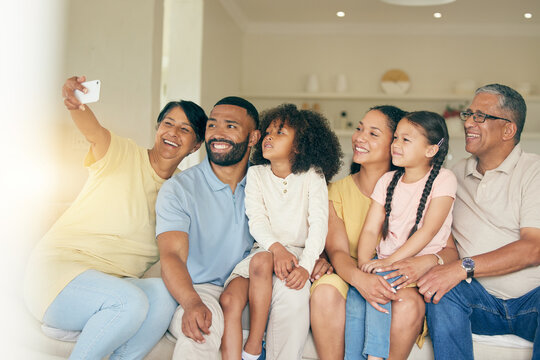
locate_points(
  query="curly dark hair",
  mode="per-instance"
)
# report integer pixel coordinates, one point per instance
(315, 144)
(434, 128)
(393, 115)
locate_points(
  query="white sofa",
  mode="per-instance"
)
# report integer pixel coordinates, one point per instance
(485, 347)
(37, 346)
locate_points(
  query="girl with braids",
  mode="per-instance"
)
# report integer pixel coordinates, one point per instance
(412, 206)
(287, 207)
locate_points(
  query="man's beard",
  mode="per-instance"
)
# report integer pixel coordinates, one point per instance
(234, 156)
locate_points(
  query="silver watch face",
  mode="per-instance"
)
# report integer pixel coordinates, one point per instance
(467, 263)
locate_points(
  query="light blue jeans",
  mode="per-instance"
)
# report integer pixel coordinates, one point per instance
(367, 330)
(122, 316)
(469, 308)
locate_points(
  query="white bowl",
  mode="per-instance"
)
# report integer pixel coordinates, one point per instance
(395, 87)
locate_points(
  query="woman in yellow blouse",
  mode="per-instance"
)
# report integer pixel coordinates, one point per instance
(349, 201)
(84, 273)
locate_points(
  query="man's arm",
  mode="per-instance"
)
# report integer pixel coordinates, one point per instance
(415, 267)
(173, 250)
(510, 258)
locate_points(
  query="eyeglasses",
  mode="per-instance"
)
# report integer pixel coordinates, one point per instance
(479, 117)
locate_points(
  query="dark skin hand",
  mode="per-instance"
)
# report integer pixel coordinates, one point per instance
(322, 266)
(284, 261)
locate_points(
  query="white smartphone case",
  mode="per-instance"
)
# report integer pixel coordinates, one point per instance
(92, 95)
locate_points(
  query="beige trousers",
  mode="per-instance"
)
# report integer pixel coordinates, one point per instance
(187, 348)
(288, 324)
(286, 333)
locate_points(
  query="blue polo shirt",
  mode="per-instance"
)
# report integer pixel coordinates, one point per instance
(195, 201)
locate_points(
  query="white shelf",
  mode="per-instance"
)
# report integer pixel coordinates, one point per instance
(372, 96)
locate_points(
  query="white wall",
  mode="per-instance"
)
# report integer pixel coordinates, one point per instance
(281, 62)
(222, 66)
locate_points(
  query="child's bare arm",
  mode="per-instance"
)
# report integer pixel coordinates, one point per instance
(370, 233)
(434, 218)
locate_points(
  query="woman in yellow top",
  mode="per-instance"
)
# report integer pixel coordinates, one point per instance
(349, 201)
(84, 274)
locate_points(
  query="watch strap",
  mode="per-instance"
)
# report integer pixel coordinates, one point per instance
(469, 269)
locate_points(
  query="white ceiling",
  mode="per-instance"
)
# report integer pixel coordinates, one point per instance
(261, 15)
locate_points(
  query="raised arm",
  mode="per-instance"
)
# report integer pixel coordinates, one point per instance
(85, 120)
(173, 250)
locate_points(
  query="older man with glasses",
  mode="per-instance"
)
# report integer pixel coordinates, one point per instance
(494, 288)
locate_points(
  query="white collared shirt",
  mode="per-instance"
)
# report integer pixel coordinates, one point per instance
(292, 211)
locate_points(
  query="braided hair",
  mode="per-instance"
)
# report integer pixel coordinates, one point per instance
(434, 128)
(393, 115)
(388, 203)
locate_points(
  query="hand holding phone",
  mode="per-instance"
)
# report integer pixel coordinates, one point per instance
(92, 94)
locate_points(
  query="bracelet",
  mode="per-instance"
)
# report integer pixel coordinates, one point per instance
(440, 260)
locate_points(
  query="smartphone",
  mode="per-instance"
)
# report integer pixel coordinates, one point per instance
(92, 95)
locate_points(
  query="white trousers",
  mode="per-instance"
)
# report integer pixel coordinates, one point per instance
(286, 333)
(187, 348)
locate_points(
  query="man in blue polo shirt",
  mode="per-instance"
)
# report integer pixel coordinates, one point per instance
(202, 228)
(203, 232)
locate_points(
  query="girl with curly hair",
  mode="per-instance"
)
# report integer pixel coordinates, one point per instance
(412, 206)
(287, 207)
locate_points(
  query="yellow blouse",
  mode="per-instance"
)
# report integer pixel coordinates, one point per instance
(110, 227)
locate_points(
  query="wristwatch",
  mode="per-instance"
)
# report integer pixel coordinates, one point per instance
(468, 264)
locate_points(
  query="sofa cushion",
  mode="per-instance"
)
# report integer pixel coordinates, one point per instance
(507, 341)
(59, 334)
